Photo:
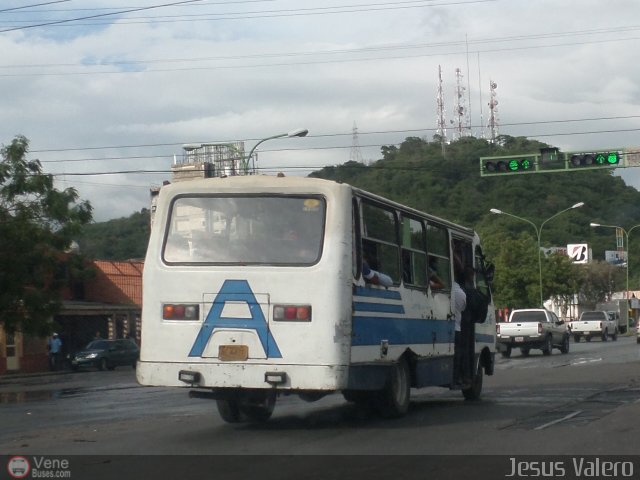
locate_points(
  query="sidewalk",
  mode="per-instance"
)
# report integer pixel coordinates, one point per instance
(19, 376)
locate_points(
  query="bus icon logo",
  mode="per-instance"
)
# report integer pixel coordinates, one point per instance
(18, 467)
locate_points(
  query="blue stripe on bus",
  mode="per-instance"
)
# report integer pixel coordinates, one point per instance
(377, 307)
(485, 338)
(400, 331)
(377, 293)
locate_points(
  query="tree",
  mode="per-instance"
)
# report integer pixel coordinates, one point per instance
(37, 225)
(561, 280)
(598, 282)
(516, 279)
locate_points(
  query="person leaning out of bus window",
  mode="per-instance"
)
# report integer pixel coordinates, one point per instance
(375, 277)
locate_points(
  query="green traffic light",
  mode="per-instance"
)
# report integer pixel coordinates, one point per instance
(514, 165)
(612, 158)
(600, 158)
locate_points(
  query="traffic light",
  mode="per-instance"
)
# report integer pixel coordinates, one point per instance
(509, 164)
(552, 160)
(593, 159)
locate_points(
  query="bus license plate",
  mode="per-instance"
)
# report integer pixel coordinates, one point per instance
(519, 339)
(230, 353)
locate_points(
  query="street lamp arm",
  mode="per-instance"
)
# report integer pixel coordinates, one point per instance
(500, 212)
(299, 132)
(538, 234)
(577, 205)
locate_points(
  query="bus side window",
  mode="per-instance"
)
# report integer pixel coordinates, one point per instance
(438, 257)
(414, 257)
(379, 240)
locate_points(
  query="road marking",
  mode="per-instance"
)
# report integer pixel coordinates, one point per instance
(582, 361)
(558, 420)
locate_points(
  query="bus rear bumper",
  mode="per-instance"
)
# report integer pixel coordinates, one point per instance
(242, 375)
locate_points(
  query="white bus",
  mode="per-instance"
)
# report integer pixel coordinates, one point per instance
(253, 288)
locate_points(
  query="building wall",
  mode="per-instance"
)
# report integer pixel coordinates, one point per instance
(116, 295)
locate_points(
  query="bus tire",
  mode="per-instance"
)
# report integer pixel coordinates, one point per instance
(473, 391)
(229, 409)
(393, 400)
(258, 407)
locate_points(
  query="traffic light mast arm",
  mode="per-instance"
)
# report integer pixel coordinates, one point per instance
(552, 160)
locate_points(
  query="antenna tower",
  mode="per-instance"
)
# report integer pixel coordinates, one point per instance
(493, 123)
(442, 123)
(461, 114)
(355, 155)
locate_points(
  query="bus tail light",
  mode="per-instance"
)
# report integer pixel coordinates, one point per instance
(180, 311)
(292, 313)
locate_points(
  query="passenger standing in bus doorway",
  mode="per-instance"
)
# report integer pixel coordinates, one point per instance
(468, 327)
(459, 304)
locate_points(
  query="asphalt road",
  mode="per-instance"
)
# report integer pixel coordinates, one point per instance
(584, 403)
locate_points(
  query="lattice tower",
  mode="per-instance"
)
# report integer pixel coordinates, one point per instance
(355, 155)
(494, 120)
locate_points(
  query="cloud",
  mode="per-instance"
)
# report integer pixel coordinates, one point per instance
(144, 83)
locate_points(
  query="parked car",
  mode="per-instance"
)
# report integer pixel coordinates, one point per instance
(107, 355)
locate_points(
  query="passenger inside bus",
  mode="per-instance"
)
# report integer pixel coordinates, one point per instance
(375, 277)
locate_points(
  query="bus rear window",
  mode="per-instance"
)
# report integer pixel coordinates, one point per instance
(260, 229)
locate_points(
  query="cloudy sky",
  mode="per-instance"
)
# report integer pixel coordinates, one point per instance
(107, 86)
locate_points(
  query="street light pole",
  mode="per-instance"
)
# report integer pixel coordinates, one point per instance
(538, 234)
(626, 235)
(300, 132)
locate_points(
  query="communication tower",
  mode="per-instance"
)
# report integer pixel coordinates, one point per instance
(461, 124)
(493, 123)
(441, 131)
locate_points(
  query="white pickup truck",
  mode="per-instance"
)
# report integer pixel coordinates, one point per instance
(532, 328)
(595, 324)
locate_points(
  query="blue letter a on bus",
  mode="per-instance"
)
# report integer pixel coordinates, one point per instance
(235, 291)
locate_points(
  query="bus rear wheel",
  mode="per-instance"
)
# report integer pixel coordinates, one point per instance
(393, 400)
(252, 406)
(258, 406)
(229, 409)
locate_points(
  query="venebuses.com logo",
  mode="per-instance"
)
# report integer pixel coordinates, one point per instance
(18, 467)
(38, 467)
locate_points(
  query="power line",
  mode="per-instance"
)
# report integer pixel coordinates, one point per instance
(258, 14)
(379, 48)
(58, 22)
(326, 135)
(314, 62)
(33, 5)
